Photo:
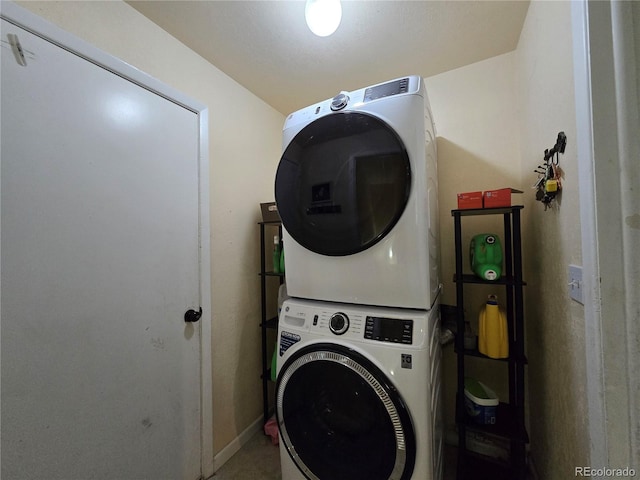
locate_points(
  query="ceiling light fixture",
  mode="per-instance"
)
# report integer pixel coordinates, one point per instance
(323, 16)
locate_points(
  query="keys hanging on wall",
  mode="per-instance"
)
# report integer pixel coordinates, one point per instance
(549, 183)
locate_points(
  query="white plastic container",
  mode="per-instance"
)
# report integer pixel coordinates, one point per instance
(480, 402)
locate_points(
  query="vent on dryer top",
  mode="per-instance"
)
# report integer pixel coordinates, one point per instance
(386, 89)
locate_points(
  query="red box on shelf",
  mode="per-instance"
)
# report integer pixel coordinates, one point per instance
(498, 198)
(469, 200)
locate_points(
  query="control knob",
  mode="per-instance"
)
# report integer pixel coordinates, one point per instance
(339, 323)
(339, 101)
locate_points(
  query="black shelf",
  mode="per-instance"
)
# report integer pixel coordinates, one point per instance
(510, 421)
(467, 212)
(271, 274)
(267, 322)
(474, 352)
(470, 278)
(270, 323)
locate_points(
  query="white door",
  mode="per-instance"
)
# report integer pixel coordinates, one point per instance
(100, 237)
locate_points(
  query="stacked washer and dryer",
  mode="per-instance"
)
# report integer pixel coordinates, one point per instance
(358, 385)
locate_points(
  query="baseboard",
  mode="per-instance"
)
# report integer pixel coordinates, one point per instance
(236, 444)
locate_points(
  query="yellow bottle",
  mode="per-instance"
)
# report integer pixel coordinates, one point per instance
(493, 338)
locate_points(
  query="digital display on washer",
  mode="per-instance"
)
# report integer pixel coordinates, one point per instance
(386, 89)
(393, 330)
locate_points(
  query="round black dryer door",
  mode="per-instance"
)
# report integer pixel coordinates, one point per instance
(341, 419)
(342, 183)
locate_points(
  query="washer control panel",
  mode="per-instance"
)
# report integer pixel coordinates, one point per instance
(401, 327)
(391, 330)
(339, 323)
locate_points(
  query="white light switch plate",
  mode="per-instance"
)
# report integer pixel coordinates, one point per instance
(575, 283)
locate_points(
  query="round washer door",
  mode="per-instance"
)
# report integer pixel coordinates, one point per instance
(342, 183)
(341, 419)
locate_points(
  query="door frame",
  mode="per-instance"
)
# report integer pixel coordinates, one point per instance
(607, 113)
(49, 32)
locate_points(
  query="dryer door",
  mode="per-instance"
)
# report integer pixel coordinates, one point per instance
(341, 419)
(342, 183)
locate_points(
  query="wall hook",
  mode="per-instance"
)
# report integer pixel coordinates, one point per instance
(549, 182)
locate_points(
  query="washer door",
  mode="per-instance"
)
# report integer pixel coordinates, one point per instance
(342, 183)
(341, 419)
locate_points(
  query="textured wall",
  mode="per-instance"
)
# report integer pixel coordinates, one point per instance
(555, 323)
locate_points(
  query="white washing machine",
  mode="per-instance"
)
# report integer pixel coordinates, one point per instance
(356, 190)
(358, 392)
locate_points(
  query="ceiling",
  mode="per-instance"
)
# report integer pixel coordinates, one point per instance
(266, 46)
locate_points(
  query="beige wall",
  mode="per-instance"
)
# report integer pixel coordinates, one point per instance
(474, 108)
(244, 148)
(555, 323)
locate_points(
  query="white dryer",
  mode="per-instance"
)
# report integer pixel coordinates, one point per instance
(358, 392)
(356, 189)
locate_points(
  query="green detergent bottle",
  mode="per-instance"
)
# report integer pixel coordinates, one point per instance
(486, 256)
(281, 267)
(277, 253)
